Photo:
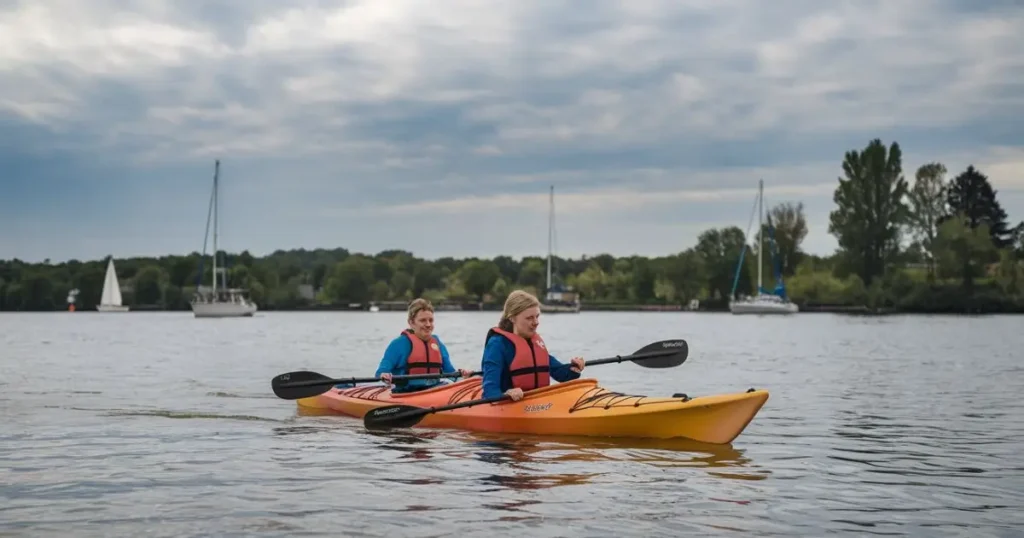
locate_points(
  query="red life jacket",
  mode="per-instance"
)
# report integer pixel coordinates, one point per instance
(425, 357)
(530, 368)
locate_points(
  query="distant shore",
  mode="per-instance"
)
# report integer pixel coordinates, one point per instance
(714, 308)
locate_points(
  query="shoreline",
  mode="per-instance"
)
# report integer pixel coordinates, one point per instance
(633, 308)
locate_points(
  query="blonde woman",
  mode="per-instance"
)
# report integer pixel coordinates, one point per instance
(416, 351)
(515, 356)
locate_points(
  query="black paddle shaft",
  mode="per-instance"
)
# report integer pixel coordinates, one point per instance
(404, 416)
(303, 383)
(353, 380)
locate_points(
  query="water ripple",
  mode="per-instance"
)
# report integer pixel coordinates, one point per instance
(117, 425)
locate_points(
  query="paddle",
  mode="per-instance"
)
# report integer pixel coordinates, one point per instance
(303, 384)
(663, 354)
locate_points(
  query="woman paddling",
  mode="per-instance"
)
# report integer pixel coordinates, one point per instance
(515, 356)
(416, 351)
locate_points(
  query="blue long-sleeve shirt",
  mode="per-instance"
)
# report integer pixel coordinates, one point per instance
(497, 360)
(397, 354)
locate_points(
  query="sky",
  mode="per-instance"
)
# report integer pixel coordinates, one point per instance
(439, 126)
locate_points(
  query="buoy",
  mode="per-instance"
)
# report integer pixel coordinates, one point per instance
(72, 297)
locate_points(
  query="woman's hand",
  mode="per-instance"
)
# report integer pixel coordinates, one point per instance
(386, 378)
(465, 373)
(577, 364)
(515, 393)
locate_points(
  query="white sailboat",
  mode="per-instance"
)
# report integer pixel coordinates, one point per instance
(219, 301)
(110, 299)
(557, 298)
(762, 302)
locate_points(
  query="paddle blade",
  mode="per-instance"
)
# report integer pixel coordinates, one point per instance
(281, 383)
(394, 416)
(680, 349)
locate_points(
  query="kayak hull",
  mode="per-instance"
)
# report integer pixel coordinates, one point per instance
(578, 408)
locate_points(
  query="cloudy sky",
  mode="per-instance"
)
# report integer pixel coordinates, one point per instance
(438, 125)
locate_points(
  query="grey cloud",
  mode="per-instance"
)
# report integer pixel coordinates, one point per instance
(550, 75)
(380, 103)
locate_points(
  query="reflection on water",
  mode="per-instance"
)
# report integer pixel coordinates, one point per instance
(540, 462)
(520, 451)
(667, 452)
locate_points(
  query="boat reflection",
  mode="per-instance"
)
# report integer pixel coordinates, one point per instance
(525, 462)
(414, 444)
(660, 452)
(529, 457)
(528, 482)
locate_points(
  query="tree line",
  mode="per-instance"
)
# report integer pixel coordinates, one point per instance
(937, 246)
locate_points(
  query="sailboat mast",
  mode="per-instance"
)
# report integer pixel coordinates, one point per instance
(551, 223)
(760, 231)
(216, 203)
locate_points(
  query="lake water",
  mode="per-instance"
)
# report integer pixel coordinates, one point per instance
(159, 424)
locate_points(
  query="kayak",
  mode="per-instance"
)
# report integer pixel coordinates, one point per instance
(578, 407)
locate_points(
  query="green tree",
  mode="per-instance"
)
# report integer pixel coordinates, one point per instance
(963, 248)
(425, 276)
(605, 261)
(593, 282)
(37, 292)
(790, 231)
(620, 283)
(402, 284)
(245, 258)
(720, 251)
(643, 280)
(501, 289)
(870, 208)
(927, 206)
(319, 274)
(287, 295)
(971, 195)
(89, 281)
(149, 285)
(509, 267)
(239, 277)
(183, 271)
(686, 272)
(533, 273)
(350, 281)
(1009, 273)
(380, 291)
(175, 299)
(479, 276)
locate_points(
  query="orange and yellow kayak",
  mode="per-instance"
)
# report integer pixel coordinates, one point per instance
(579, 407)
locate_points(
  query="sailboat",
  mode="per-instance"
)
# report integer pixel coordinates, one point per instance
(218, 301)
(557, 298)
(110, 300)
(764, 302)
